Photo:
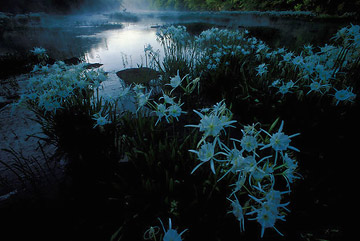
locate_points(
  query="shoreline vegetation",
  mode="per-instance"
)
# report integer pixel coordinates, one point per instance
(319, 9)
(21, 20)
(332, 7)
(306, 8)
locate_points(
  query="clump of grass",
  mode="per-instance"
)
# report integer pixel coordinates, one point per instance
(179, 52)
(73, 117)
(30, 172)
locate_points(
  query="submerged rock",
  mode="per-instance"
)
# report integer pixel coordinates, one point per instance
(72, 61)
(93, 66)
(140, 75)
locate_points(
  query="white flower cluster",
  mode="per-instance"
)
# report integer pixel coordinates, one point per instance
(169, 109)
(214, 120)
(38, 51)
(323, 71)
(222, 37)
(50, 86)
(218, 46)
(165, 107)
(58, 86)
(174, 34)
(349, 36)
(141, 94)
(256, 161)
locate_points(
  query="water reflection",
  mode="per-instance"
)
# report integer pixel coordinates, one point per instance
(122, 48)
(63, 36)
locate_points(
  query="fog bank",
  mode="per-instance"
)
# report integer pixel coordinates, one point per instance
(58, 6)
(135, 5)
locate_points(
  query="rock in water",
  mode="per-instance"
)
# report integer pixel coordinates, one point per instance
(140, 75)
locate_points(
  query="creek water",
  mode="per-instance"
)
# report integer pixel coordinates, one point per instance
(118, 42)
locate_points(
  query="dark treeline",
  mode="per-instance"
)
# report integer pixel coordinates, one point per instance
(56, 6)
(317, 6)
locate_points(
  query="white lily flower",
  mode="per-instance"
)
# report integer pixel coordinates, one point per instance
(212, 124)
(280, 141)
(175, 111)
(171, 234)
(206, 154)
(100, 120)
(344, 95)
(269, 213)
(237, 211)
(160, 111)
(249, 143)
(38, 51)
(261, 69)
(175, 81)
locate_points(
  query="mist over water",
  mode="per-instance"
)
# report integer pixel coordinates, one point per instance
(117, 39)
(136, 5)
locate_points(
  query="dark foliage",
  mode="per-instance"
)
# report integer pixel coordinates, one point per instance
(15, 64)
(318, 6)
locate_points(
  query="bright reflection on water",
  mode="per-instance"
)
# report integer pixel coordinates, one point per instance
(123, 48)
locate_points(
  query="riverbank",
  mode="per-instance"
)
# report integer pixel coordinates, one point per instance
(337, 7)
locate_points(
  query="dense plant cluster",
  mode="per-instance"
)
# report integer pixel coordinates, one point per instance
(254, 169)
(235, 66)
